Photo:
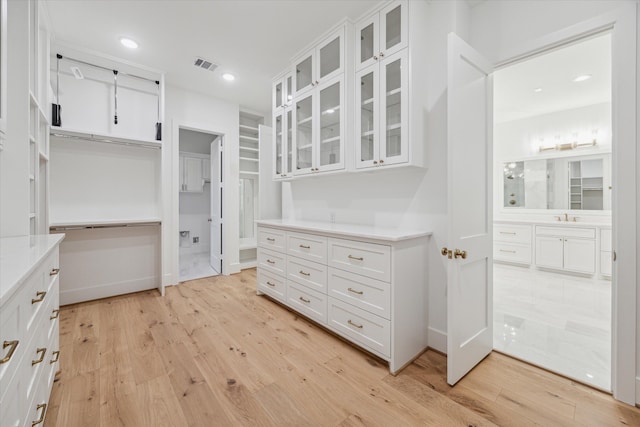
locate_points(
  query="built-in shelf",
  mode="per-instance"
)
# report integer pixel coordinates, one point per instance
(111, 139)
(249, 128)
(394, 91)
(303, 121)
(304, 147)
(246, 244)
(249, 159)
(249, 138)
(333, 139)
(394, 126)
(334, 110)
(249, 173)
(367, 101)
(104, 223)
(368, 133)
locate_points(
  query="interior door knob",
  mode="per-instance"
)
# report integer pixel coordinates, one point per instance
(446, 252)
(460, 254)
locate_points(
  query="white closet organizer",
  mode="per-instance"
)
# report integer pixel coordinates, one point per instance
(366, 284)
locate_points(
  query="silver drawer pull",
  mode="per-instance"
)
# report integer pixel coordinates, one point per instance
(509, 252)
(304, 300)
(271, 262)
(13, 345)
(271, 239)
(305, 247)
(354, 324)
(354, 291)
(40, 296)
(305, 273)
(356, 258)
(507, 232)
(271, 284)
(54, 272)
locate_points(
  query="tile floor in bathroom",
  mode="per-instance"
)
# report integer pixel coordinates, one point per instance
(557, 321)
(195, 266)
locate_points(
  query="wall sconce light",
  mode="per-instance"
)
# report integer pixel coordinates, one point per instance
(559, 146)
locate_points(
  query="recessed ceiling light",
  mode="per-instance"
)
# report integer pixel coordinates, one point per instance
(582, 78)
(228, 77)
(538, 90)
(128, 43)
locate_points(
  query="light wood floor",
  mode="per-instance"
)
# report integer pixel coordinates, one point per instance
(212, 353)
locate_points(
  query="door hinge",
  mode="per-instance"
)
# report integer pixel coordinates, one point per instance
(614, 255)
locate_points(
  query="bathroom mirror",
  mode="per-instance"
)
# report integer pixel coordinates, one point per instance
(565, 183)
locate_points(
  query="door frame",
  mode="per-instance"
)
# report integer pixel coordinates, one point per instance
(175, 193)
(621, 23)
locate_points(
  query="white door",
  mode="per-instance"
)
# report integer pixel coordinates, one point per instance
(215, 220)
(470, 263)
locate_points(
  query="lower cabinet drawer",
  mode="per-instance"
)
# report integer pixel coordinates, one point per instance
(368, 259)
(371, 295)
(368, 330)
(512, 233)
(274, 262)
(12, 405)
(512, 252)
(272, 285)
(308, 273)
(308, 302)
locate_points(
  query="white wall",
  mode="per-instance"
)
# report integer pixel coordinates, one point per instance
(198, 112)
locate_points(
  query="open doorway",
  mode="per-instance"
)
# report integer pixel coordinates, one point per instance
(200, 204)
(553, 210)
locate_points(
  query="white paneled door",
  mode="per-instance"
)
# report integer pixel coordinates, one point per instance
(469, 254)
(215, 218)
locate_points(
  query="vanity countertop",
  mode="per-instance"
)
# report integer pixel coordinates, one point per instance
(388, 234)
(578, 223)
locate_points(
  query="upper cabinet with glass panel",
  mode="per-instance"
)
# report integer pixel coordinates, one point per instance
(381, 34)
(319, 64)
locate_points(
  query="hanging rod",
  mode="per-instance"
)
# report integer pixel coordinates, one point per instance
(107, 68)
(98, 226)
(60, 133)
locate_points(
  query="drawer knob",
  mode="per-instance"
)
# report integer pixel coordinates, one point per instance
(271, 239)
(305, 247)
(271, 284)
(13, 345)
(271, 262)
(355, 258)
(56, 357)
(354, 324)
(304, 273)
(354, 291)
(54, 272)
(40, 296)
(304, 300)
(42, 407)
(42, 352)
(55, 314)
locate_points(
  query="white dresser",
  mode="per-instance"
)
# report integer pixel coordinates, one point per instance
(29, 308)
(367, 284)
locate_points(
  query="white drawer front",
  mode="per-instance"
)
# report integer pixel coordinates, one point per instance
(368, 294)
(308, 302)
(605, 239)
(13, 332)
(369, 259)
(512, 233)
(272, 261)
(308, 273)
(307, 246)
(587, 233)
(366, 329)
(272, 285)
(272, 239)
(512, 252)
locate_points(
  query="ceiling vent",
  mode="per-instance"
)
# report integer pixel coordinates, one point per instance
(204, 63)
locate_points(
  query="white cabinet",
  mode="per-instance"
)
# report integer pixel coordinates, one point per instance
(368, 290)
(320, 63)
(512, 243)
(381, 119)
(318, 128)
(563, 248)
(3, 71)
(191, 174)
(283, 142)
(605, 252)
(381, 34)
(282, 91)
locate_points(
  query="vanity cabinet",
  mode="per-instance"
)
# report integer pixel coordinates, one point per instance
(563, 248)
(365, 285)
(320, 63)
(512, 243)
(606, 253)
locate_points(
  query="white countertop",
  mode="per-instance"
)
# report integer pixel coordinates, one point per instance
(19, 256)
(556, 223)
(389, 234)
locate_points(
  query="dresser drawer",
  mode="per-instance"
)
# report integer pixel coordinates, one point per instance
(368, 294)
(12, 333)
(586, 233)
(307, 246)
(271, 238)
(308, 302)
(512, 233)
(274, 262)
(35, 362)
(307, 273)
(369, 259)
(272, 285)
(38, 290)
(366, 329)
(512, 252)
(605, 239)
(12, 404)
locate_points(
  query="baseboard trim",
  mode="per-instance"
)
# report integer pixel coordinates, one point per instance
(73, 296)
(437, 340)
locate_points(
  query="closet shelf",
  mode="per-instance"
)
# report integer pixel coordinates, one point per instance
(254, 150)
(253, 173)
(111, 139)
(304, 147)
(334, 110)
(367, 133)
(248, 243)
(328, 140)
(104, 223)
(249, 159)
(394, 126)
(249, 138)
(303, 121)
(249, 128)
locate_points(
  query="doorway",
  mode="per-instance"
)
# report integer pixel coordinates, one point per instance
(200, 204)
(553, 152)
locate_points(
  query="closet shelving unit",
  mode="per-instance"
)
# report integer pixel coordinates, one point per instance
(249, 159)
(585, 185)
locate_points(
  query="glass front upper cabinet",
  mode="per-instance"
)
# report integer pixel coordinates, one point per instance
(330, 142)
(381, 34)
(282, 92)
(278, 138)
(319, 64)
(394, 106)
(367, 116)
(303, 117)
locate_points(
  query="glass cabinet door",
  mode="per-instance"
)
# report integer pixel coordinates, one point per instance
(278, 160)
(288, 90)
(367, 113)
(331, 130)
(367, 48)
(393, 86)
(393, 28)
(277, 94)
(303, 76)
(330, 57)
(303, 134)
(288, 147)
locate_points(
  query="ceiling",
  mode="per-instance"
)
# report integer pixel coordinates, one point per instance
(253, 39)
(514, 86)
